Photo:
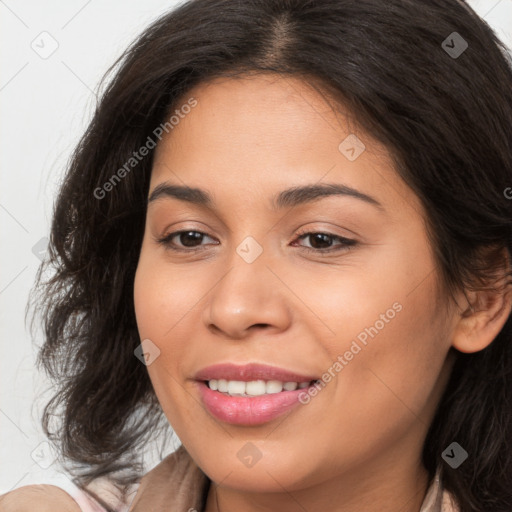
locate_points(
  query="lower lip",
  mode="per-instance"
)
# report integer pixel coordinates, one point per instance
(241, 410)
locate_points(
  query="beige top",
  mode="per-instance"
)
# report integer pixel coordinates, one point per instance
(177, 484)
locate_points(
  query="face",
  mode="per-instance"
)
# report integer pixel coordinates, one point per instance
(337, 286)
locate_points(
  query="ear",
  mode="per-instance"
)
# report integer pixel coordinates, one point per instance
(484, 316)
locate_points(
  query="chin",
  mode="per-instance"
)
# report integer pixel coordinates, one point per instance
(265, 476)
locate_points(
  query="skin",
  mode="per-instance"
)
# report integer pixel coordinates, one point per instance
(357, 444)
(40, 497)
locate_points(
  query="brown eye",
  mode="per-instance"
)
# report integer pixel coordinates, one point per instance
(185, 238)
(322, 242)
(189, 238)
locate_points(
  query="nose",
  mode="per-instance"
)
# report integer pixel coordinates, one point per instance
(248, 298)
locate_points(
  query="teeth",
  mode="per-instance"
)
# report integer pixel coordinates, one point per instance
(274, 386)
(254, 387)
(236, 387)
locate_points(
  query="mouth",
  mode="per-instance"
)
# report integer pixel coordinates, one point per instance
(251, 394)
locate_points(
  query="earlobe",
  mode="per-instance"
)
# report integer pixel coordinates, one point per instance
(482, 320)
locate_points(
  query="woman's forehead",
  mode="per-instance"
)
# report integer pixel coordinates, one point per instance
(266, 133)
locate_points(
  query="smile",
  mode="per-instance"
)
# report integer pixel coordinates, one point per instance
(254, 387)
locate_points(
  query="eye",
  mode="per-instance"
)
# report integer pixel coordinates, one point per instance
(322, 242)
(187, 238)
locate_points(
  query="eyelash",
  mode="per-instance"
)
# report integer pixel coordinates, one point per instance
(346, 245)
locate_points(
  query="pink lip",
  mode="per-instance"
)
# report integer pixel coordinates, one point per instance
(240, 410)
(248, 372)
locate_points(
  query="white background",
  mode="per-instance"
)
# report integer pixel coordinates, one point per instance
(45, 106)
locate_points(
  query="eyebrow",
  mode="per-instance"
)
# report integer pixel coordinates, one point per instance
(285, 199)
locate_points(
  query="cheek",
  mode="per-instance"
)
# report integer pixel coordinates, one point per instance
(166, 302)
(391, 340)
(395, 368)
(157, 306)
(163, 295)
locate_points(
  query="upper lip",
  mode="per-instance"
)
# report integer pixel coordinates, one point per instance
(249, 372)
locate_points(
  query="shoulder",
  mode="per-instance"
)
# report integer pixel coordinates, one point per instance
(42, 497)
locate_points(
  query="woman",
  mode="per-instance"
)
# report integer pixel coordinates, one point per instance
(286, 234)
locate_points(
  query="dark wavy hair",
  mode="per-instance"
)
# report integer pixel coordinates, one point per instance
(445, 118)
